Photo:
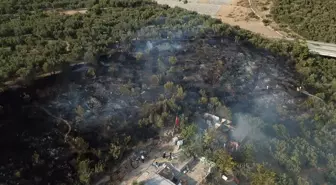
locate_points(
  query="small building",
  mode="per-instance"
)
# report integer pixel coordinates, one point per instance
(157, 179)
(165, 175)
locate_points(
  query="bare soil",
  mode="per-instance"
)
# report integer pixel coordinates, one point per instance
(263, 9)
(72, 12)
(68, 12)
(203, 1)
(239, 14)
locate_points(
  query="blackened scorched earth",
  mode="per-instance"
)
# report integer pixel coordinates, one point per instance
(32, 143)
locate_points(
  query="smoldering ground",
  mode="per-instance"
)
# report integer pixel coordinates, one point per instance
(248, 80)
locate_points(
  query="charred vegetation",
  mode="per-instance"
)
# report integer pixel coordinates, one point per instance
(145, 64)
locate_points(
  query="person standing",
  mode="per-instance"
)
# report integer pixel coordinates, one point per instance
(177, 121)
(143, 158)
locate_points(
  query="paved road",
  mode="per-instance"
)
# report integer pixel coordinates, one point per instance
(321, 48)
(211, 8)
(324, 49)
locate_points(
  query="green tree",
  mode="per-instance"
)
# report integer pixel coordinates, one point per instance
(224, 161)
(80, 145)
(172, 60)
(203, 100)
(189, 131)
(180, 93)
(215, 101)
(169, 86)
(115, 150)
(84, 171)
(139, 55)
(138, 183)
(262, 176)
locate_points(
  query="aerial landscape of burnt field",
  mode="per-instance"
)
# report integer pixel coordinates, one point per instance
(105, 95)
(150, 77)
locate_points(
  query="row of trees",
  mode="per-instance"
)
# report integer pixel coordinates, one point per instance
(12, 7)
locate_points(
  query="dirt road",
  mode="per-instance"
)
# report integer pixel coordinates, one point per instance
(233, 12)
(243, 13)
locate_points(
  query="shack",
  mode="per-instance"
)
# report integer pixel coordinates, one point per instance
(157, 179)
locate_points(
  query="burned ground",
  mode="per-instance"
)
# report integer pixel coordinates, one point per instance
(123, 91)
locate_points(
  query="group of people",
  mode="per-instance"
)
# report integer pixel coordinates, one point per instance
(165, 155)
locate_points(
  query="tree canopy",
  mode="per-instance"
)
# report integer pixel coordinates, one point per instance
(312, 19)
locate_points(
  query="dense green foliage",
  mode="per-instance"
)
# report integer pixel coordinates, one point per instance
(14, 6)
(9, 7)
(34, 41)
(312, 19)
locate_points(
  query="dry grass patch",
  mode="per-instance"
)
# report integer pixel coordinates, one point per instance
(240, 14)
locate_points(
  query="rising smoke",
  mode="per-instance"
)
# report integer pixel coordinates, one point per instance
(253, 82)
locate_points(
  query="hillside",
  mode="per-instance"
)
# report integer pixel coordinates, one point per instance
(139, 66)
(314, 20)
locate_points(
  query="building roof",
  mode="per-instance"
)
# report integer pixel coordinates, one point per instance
(158, 180)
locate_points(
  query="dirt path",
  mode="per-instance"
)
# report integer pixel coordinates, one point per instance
(68, 12)
(236, 13)
(233, 12)
(262, 8)
(72, 12)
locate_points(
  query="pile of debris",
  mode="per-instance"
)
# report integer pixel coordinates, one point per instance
(215, 121)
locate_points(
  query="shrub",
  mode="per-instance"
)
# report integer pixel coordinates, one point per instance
(169, 86)
(266, 22)
(172, 60)
(203, 100)
(99, 167)
(91, 72)
(139, 56)
(84, 171)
